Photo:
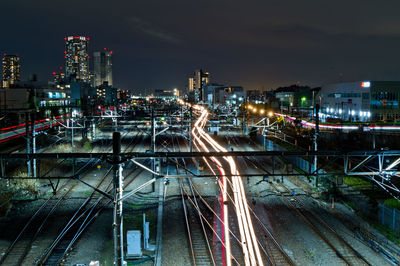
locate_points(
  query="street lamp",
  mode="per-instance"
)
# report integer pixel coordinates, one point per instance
(262, 111)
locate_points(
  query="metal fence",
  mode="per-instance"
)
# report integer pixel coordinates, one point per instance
(390, 217)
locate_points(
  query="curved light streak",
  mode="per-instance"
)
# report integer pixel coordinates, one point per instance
(250, 248)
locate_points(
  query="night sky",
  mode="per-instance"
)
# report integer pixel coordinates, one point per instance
(256, 44)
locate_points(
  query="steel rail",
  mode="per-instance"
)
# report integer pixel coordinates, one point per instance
(30, 221)
(196, 206)
(266, 230)
(85, 214)
(324, 224)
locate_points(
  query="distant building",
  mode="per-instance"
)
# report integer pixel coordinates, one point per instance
(202, 78)
(230, 96)
(105, 94)
(208, 92)
(102, 64)
(196, 84)
(166, 93)
(254, 95)
(294, 96)
(33, 95)
(59, 76)
(11, 70)
(361, 101)
(270, 100)
(191, 84)
(77, 58)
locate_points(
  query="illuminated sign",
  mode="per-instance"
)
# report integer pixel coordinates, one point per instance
(365, 84)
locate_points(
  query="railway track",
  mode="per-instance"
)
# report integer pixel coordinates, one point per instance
(340, 247)
(273, 251)
(90, 209)
(275, 254)
(194, 216)
(20, 247)
(17, 252)
(196, 231)
(73, 228)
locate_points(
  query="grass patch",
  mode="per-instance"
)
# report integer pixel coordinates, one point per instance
(87, 146)
(387, 232)
(357, 182)
(394, 203)
(383, 229)
(351, 205)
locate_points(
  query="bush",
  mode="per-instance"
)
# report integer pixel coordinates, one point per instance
(394, 203)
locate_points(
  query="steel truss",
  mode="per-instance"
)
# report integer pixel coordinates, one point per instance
(379, 166)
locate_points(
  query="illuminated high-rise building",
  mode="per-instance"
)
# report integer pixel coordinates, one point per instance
(77, 58)
(191, 84)
(202, 79)
(11, 70)
(102, 64)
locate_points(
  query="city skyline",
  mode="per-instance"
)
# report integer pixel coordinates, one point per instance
(262, 45)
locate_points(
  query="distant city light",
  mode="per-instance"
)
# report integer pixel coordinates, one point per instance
(366, 84)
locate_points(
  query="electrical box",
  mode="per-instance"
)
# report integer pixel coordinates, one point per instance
(134, 249)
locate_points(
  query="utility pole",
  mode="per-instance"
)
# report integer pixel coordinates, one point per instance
(182, 119)
(118, 187)
(93, 129)
(28, 142)
(316, 142)
(153, 146)
(115, 119)
(33, 134)
(265, 131)
(72, 141)
(190, 130)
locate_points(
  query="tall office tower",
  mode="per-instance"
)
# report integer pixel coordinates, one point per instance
(102, 63)
(11, 70)
(191, 84)
(202, 78)
(77, 58)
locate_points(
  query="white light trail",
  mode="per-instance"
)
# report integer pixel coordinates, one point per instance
(251, 252)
